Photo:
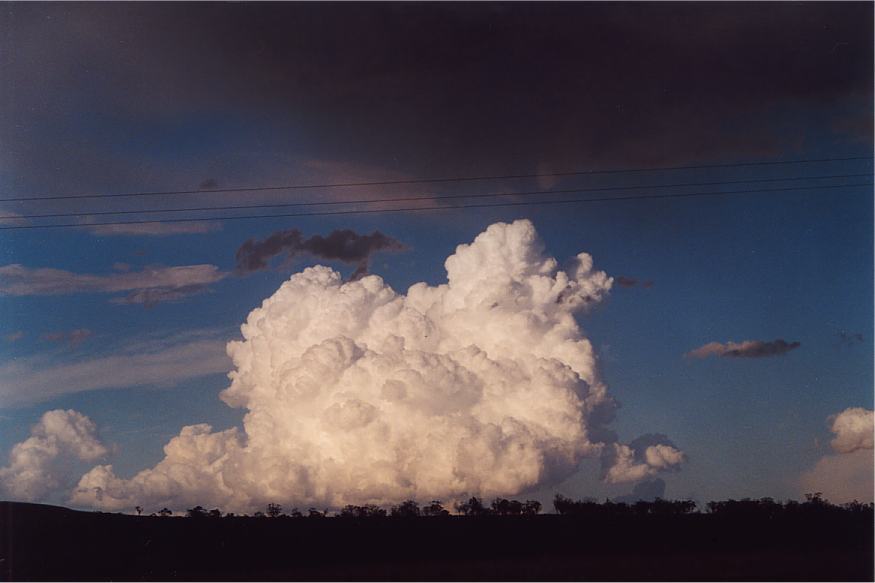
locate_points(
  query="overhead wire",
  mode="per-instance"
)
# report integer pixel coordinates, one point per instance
(438, 208)
(435, 180)
(424, 197)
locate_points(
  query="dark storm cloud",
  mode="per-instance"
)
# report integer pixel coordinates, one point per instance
(746, 349)
(435, 88)
(342, 245)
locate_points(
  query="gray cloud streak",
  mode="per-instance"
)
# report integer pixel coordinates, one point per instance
(746, 349)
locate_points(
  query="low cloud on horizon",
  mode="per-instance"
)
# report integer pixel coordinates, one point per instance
(36, 465)
(846, 474)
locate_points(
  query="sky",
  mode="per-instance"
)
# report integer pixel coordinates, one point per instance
(734, 344)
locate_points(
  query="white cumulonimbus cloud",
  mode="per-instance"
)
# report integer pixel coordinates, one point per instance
(35, 464)
(848, 473)
(853, 430)
(357, 394)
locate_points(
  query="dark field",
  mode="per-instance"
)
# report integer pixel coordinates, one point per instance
(50, 543)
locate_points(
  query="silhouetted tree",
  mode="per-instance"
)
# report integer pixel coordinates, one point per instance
(197, 512)
(816, 498)
(435, 508)
(671, 507)
(473, 507)
(215, 513)
(139, 510)
(505, 507)
(612, 508)
(165, 512)
(274, 510)
(366, 511)
(531, 507)
(313, 513)
(587, 506)
(858, 507)
(295, 513)
(407, 509)
(562, 504)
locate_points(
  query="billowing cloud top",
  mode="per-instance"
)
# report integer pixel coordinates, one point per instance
(854, 430)
(356, 394)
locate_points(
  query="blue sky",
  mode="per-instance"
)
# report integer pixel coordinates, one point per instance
(762, 266)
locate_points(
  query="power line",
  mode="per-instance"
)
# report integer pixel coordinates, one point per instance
(409, 198)
(433, 180)
(436, 208)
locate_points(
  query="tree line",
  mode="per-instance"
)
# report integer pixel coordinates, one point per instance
(814, 503)
(562, 505)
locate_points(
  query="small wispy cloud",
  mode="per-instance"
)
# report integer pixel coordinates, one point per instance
(12, 219)
(746, 349)
(151, 297)
(147, 286)
(74, 337)
(157, 362)
(627, 282)
(850, 338)
(155, 229)
(14, 336)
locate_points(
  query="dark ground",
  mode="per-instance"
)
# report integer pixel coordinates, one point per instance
(51, 543)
